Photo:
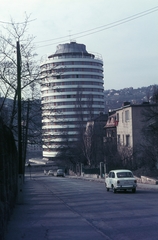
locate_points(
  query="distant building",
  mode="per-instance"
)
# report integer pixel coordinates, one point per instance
(72, 93)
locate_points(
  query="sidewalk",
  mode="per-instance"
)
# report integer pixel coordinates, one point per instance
(27, 221)
(38, 214)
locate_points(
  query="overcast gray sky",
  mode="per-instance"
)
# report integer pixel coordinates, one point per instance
(129, 49)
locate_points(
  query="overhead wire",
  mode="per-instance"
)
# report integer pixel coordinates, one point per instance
(101, 28)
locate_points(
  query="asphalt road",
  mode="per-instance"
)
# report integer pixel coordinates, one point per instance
(111, 216)
(76, 209)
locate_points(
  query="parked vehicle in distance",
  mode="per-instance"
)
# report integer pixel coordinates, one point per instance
(50, 172)
(119, 180)
(60, 173)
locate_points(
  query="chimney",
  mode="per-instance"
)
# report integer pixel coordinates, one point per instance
(126, 103)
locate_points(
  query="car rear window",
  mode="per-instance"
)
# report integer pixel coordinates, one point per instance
(124, 174)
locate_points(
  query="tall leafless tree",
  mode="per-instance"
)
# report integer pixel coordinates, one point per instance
(12, 33)
(150, 136)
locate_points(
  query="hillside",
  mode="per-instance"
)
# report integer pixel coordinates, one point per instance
(115, 98)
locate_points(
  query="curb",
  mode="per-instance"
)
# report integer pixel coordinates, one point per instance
(101, 180)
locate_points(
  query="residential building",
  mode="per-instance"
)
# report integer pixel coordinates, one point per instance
(110, 128)
(130, 122)
(72, 93)
(131, 135)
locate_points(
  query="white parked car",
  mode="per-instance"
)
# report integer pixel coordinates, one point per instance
(120, 180)
(50, 172)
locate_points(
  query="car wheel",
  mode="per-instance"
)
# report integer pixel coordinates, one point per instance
(113, 189)
(133, 190)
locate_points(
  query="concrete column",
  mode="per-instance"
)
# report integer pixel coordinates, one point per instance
(81, 169)
(105, 168)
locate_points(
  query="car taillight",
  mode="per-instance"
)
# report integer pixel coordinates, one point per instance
(118, 181)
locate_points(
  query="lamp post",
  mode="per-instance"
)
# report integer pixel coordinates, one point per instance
(101, 169)
(20, 163)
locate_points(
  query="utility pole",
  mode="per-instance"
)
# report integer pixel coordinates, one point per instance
(25, 135)
(20, 162)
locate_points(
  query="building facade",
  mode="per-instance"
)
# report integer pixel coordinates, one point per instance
(72, 93)
(110, 128)
(130, 122)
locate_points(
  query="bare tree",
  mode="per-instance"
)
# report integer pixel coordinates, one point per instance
(8, 73)
(75, 152)
(89, 106)
(94, 146)
(150, 135)
(155, 94)
(149, 147)
(81, 122)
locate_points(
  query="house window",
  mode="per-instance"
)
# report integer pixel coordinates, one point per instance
(126, 115)
(127, 140)
(117, 118)
(122, 116)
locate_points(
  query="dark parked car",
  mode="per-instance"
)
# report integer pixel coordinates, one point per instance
(60, 173)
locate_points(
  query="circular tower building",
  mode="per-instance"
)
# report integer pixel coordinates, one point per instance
(72, 93)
